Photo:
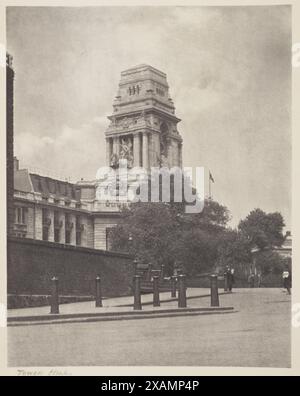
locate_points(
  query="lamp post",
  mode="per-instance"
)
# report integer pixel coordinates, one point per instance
(135, 261)
(135, 264)
(156, 301)
(54, 296)
(214, 295)
(98, 292)
(181, 292)
(137, 303)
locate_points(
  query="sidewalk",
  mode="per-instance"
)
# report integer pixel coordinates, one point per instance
(119, 307)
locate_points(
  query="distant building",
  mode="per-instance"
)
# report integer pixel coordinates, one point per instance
(285, 250)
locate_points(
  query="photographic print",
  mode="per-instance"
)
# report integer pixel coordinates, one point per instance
(149, 186)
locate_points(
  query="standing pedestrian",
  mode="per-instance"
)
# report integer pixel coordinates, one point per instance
(251, 280)
(259, 279)
(230, 279)
(287, 279)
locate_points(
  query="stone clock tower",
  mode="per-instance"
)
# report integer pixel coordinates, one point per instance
(142, 130)
(143, 126)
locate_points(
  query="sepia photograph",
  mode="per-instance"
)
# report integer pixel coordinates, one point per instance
(149, 186)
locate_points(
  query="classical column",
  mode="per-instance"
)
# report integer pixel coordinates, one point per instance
(180, 154)
(145, 151)
(116, 145)
(170, 152)
(38, 223)
(108, 150)
(155, 149)
(62, 229)
(136, 150)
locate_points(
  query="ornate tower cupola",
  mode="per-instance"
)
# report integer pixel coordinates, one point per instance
(143, 127)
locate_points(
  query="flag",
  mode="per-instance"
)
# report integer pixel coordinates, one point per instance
(211, 177)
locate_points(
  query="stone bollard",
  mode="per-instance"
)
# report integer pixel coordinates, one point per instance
(54, 296)
(98, 292)
(137, 304)
(181, 292)
(225, 282)
(173, 286)
(156, 301)
(214, 295)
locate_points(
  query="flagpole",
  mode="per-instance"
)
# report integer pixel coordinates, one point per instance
(210, 179)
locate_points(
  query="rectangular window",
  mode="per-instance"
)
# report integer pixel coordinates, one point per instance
(45, 221)
(56, 235)
(78, 238)
(45, 233)
(56, 219)
(44, 214)
(68, 236)
(20, 215)
(78, 230)
(23, 215)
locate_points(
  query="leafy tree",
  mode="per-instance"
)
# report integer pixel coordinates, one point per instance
(270, 262)
(263, 229)
(161, 233)
(234, 249)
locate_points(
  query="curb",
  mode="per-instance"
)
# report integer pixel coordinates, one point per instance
(114, 316)
(171, 299)
(117, 314)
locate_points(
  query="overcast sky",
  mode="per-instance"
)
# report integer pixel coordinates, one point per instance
(229, 75)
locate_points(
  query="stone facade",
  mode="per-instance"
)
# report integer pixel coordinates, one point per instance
(57, 211)
(142, 130)
(143, 126)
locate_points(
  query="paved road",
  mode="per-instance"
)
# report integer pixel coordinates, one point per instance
(258, 335)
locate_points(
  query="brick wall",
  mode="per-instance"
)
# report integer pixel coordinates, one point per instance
(32, 264)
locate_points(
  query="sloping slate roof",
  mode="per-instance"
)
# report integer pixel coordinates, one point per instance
(22, 181)
(47, 186)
